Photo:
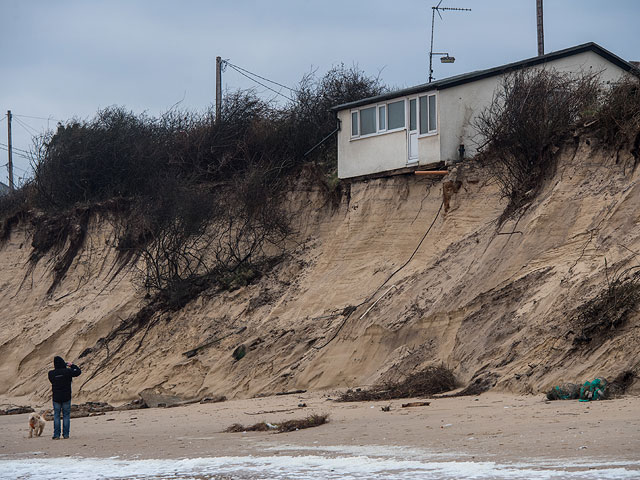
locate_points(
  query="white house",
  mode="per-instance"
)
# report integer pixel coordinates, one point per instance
(433, 122)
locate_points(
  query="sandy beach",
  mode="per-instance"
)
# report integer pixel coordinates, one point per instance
(566, 438)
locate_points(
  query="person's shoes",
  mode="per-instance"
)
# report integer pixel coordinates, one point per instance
(66, 438)
(55, 438)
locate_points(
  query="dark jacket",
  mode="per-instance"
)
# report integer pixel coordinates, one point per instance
(60, 378)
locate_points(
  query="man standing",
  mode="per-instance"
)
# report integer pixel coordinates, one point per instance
(60, 378)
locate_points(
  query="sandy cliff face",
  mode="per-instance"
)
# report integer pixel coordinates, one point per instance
(495, 305)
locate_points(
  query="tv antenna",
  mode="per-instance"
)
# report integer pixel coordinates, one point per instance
(444, 56)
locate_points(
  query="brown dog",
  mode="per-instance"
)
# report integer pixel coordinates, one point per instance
(36, 424)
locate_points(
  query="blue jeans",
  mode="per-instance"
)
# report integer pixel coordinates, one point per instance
(65, 407)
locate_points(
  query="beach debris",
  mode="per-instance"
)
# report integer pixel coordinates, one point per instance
(598, 389)
(595, 390)
(302, 405)
(314, 420)
(566, 391)
(17, 410)
(446, 425)
(416, 404)
(214, 399)
(430, 381)
(87, 409)
(386, 408)
(136, 404)
(291, 392)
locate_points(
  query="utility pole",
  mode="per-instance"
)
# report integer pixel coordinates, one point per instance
(9, 150)
(218, 88)
(540, 28)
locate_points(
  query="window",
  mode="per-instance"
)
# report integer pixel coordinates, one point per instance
(413, 111)
(428, 116)
(433, 119)
(368, 121)
(396, 115)
(354, 124)
(382, 118)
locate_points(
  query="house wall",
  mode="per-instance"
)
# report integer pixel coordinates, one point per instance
(459, 106)
(366, 155)
(457, 109)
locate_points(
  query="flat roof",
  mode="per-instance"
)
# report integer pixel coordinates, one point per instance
(481, 74)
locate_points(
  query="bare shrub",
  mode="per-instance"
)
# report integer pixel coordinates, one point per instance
(531, 115)
(618, 117)
(430, 381)
(610, 309)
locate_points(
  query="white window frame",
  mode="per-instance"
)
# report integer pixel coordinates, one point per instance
(386, 120)
(385, 106)
(430, 131)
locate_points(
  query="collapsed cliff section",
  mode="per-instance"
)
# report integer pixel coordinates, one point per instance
(393, 278)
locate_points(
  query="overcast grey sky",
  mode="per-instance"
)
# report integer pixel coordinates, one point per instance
(69, 58)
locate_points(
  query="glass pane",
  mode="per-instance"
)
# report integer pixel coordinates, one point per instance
(413, 107)
(368, 121)
(382, 118)
(396, 115)
(424, 126)
(433, 119)
(354, 124)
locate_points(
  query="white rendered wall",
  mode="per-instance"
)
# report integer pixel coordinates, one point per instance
(363, 156)
(457, 108)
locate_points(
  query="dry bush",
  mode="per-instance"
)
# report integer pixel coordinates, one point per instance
(610, 309)
(532, 113)
(618, 117)
(621, 383)
(431, 381)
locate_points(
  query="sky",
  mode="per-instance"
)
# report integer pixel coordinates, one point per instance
(70, 58)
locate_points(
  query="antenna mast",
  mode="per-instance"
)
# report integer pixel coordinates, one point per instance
(445, 56)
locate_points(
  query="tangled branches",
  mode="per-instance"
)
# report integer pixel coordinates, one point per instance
(532, 113)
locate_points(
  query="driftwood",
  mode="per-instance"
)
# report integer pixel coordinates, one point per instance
(416, 404)
(292, 392)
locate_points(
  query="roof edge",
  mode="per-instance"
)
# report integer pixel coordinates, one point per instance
(490, 72)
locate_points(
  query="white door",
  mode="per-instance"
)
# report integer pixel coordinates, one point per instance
(413, 131)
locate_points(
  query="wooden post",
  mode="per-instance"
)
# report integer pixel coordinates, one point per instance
(540, 27)
(9, 150)
(218, 88)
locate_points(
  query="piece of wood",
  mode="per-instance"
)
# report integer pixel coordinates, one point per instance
(431, 172)
(292, 392)
(416, 404)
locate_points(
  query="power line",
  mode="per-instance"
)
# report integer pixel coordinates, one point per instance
(15, 153)
(15, 148)
(33, 116)
(235, 67)
(29, 129)
(262, 84)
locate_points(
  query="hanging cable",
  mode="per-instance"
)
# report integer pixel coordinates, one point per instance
(352, 309)
(236, 68)
(33, 116)
(262, 84)
(30, 130)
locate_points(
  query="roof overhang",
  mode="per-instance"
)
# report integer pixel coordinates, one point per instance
(491, 72)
